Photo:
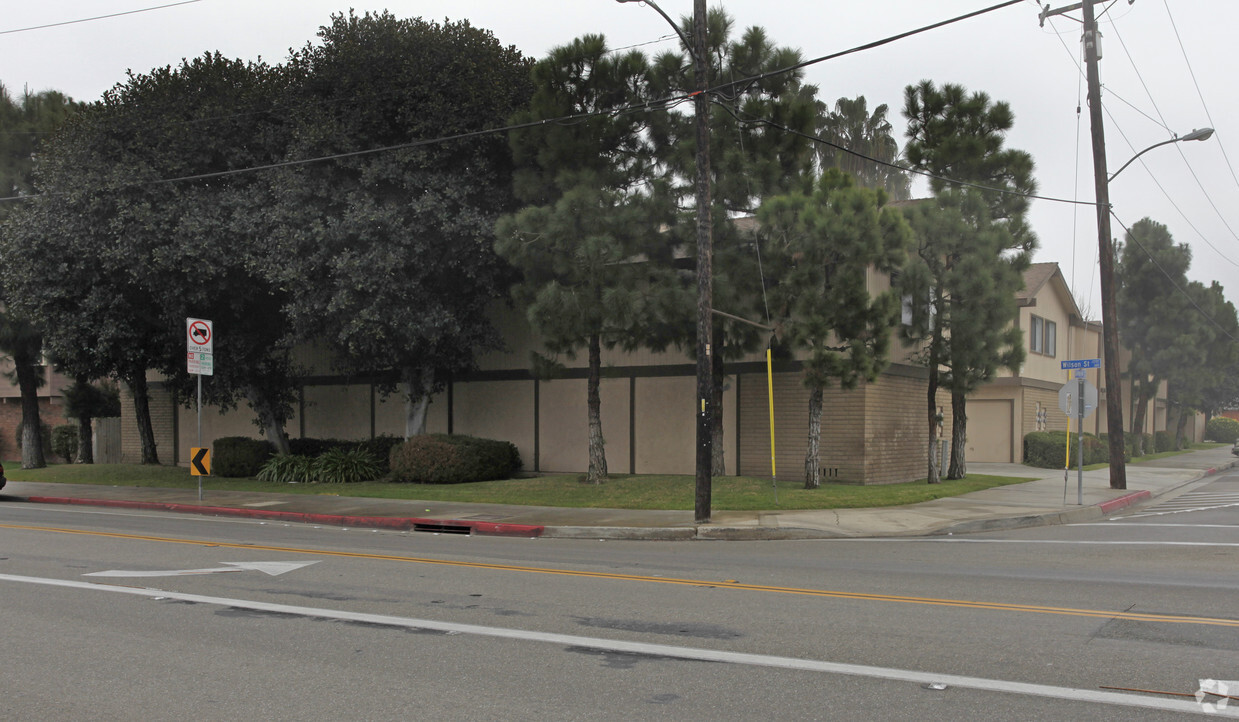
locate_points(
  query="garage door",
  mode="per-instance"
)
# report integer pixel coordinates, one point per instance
(989, 430)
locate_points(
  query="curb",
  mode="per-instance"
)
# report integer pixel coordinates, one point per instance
(1124, 501)
(448, 526)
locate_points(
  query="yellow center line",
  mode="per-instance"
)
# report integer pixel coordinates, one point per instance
(858, 596)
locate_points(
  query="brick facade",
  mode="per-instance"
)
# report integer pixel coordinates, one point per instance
(163, 419)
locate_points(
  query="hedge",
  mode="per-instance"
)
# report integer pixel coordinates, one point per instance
(1221, 428)
(1048, 449)
(239, 456)
(452, 459)
(64, 441)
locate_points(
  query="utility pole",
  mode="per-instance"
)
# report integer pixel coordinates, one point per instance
(1109, 302)
(705, 254)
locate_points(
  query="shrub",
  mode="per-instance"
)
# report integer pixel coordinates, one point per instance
(287, 469)
(452, 459)
(239, 456)
(1048, 449)
(1163, 441)
(316, 447)
(343, 466)
(64, 442)
(1221, 428)
(380, 449)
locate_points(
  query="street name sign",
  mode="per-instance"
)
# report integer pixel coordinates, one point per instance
(1083, 363)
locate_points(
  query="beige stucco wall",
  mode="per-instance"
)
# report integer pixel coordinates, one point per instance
(501, 410)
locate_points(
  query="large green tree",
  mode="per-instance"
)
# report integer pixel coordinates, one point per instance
(145, 224)
(388, 256)
(862, 144)
(1211, 353)
(976, 268)
(25, 125)
(760, 131)
(1156, 320)
(824, 246)
(595, 270)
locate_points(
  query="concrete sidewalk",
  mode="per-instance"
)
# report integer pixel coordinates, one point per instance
(1048, 500)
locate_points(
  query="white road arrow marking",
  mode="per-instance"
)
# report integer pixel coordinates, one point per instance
(272, 568)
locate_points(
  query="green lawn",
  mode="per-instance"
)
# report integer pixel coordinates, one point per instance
(730, 493)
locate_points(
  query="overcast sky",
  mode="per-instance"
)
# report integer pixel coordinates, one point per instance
(1168, 68)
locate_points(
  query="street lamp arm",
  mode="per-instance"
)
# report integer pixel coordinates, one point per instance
(1202, 134)
(683, 38)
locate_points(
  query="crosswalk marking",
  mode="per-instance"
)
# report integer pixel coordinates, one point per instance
(1192, 501)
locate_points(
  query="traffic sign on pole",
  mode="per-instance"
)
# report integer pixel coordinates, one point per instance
(199, 336)
(1083, 363)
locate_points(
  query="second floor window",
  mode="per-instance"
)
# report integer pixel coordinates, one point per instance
(1041, 336)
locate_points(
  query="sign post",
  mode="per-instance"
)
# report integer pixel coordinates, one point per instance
(1078, 399)
(200, 348)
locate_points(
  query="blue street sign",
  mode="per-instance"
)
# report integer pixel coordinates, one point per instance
(1084, 363)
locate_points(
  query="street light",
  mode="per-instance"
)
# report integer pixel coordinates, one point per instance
(1109, 304)
(705, 253)
(1202, 134)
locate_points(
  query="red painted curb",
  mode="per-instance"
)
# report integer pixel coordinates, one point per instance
(369, 522)
(1125, 500)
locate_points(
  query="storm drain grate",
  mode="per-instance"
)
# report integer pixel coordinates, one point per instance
(442, 528)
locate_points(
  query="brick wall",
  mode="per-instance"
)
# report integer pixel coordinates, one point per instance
(163, 419)
(874, 434)
(51, 413)
(896, 437)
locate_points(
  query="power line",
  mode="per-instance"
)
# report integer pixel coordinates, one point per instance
(1131, 237)
(97, 17)
(653, 104)
(896, 166)
(1199, 94)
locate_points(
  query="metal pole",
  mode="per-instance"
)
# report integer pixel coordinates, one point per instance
(1109, 310)
(199, 431)
(1080, 443)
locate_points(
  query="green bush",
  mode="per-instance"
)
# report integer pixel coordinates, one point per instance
(1048, 449)
(1221, 428)
(1163, 441)
(315, 447)
(287, 469)
(344, 466)
(239, 456)
(452, 459)
(64, 442)
(380, 449)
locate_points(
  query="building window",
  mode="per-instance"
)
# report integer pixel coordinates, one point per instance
(1042, 337)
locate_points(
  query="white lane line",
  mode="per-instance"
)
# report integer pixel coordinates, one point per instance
(1121, 522)
(705, 655)
(956, 540)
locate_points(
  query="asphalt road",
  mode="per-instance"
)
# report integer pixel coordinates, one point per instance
(124, 615)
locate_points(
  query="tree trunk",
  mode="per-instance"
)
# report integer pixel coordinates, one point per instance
(1139, 390)
(958, 468)
(142, 410)
(812, 466)
(718, 459)
(1180, 429)
(273, 428)
(417, 381)
(24, 364)
(85, 441)
(597, 452)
